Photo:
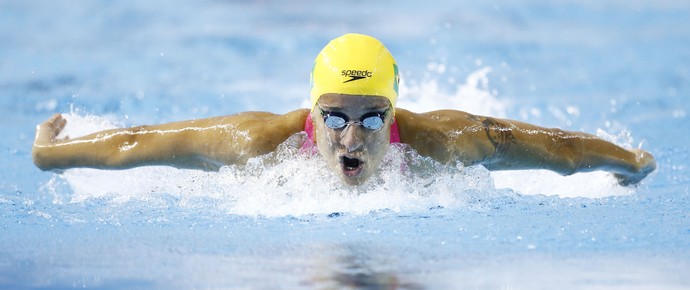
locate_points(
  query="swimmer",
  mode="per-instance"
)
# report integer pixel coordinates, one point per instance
(351, 122)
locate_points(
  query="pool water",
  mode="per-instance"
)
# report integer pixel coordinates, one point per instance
(619, 69)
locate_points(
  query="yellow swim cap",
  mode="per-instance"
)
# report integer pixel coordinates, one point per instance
(355, 64)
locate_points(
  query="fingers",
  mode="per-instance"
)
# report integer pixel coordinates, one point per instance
(57, 123)
(645, 165)
(645, 161)
(627, 180)
(47, 131)
(54, 118)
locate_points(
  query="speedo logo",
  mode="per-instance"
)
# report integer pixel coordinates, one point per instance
(355, 74)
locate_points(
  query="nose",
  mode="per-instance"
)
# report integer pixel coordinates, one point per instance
(351, 138)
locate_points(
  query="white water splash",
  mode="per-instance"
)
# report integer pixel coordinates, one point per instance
(288, 182)
(472, 96)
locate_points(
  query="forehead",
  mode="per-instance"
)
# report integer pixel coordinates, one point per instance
(353, 102)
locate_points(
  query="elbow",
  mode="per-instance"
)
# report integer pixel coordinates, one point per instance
(569, 168)
(569, 155)
(569, 165)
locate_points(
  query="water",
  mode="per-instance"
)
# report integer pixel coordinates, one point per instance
(618, 69)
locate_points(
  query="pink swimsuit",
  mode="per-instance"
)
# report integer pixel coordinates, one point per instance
(309, 129)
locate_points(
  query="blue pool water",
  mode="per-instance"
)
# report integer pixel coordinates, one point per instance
(619, 69)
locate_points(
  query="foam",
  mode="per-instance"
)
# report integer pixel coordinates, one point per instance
(472, 96)
(288, 182)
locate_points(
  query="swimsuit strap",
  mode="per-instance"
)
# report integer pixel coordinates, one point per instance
(395, 133)
(309, 128)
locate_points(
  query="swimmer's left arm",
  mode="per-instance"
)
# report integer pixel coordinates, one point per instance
(505, 144)
(519, 145)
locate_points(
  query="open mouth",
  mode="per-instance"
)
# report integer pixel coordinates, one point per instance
(351, 166)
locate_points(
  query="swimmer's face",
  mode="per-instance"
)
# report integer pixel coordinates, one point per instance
(354, 152)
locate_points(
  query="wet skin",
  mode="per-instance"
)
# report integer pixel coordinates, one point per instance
(353, 152)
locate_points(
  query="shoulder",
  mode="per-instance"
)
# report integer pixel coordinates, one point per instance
(300, 114)
(249, 122)
(267, 122)
(253, 118)
(435, 126)
(434, 119)
(444, 135)
(259, 115)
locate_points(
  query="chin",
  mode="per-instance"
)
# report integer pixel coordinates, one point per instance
(354, 180)
(351, 181)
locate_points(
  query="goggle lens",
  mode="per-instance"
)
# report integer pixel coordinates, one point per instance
(372, 122)
(334, 122)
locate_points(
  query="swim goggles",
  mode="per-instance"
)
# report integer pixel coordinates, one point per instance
(373, 121)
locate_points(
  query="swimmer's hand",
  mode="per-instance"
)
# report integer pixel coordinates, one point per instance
(47, 132)
(46, 135)
(645, 164)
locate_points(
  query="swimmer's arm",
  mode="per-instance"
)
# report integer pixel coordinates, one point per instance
(198, 144)
(505, 144)
(519, 145)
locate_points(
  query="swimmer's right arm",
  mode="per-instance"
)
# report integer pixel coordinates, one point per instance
(204, 144)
